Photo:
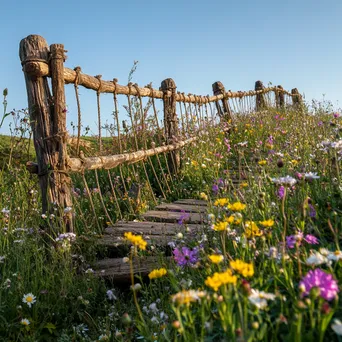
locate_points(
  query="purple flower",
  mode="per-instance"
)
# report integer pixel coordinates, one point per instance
(320, 123)
(185, 256)
(281, 192)
(184, 217)
(312, 211)
(321, 280)
(312, 240)
(293, 240)
(215, 188)
(336, 115)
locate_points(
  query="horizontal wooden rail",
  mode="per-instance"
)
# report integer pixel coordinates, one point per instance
(39, 68)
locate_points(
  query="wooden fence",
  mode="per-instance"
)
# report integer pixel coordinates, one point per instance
(48, 116)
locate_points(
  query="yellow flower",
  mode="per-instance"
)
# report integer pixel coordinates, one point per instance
(216, 258)
(186, 297)
(221, 202)
(237, 206)
(194, 163)
(244, 185)
(136, 240)
(245, 269)
(157, 273)
(235, 218)
(267, 223)
(262, 162)
(219, 279)
(294, 162)
(203, 196)
(220, 226)
(251, 229)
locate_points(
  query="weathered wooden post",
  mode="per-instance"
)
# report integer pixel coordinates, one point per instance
(48, 122)
(260, 98)
(171, 122)
(224, 112)
(296, 97)
(280, 97)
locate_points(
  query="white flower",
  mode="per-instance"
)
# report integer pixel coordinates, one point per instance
(5, 211)
(89, 270)
(179, 236)
(29, 299)
(288, 180)
(153, 308)
(25, 322)
(259, 298)
(67, 210)
(125, 260)
(337, 326)
(103, 338)
(315, 259)
(336, 256)
(2, 258)
(111, 295)
(311, 175)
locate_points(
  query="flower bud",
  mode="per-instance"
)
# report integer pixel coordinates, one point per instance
(176, 324)
(126, 319)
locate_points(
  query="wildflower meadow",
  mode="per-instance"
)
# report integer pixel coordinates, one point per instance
(266, 265)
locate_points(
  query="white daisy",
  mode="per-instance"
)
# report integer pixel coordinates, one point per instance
(315, 259)
(25, 322)
(337, 326)
(29, 299)
(259, 298)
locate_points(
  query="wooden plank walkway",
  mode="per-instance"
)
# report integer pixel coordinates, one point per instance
(160, 227)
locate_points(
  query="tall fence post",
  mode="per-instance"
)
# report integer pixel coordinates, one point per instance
(280, 97)
(260, 98)
(46, 117)
(224, 112)
(296, 97)
(171, 122)
(62, 185)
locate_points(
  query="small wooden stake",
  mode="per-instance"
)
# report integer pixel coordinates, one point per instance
(171, 122)
(224, 112)
(296, 98)
(260, 98)
(280, 97)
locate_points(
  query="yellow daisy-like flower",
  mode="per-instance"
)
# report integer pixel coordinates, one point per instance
(203, 196)
(244, 185)
(237, 206)
(220, 226)
(194, 163)
(251, 229)
(219, 279)
(245, 269)
(221, 202)
(136, 240)
(216, 258)
(294, 162)
(157, 273)
(267, 223)
(262, 162)
(235, 218)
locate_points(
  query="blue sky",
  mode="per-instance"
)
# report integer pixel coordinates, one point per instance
(292, 43)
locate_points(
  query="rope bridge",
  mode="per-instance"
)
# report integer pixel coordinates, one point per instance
(144, 152)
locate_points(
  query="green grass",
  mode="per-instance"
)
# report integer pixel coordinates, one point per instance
(73, 305)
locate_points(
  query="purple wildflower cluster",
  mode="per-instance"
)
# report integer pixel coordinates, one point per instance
(321, 280)
(297, 239)
(185, 256)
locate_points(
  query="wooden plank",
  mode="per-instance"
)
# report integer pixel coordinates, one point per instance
(119, 243)
(169, 216)
(149, 228)
(191, 201)
(119, 271)
(188, 208)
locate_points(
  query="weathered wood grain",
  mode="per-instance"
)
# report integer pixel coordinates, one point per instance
(191, 201)
(119, 271)
(188, 208)
(169, 216)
